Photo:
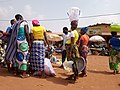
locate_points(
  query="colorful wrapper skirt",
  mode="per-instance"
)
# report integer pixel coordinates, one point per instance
(37, 56)
(75, 52)
(114, 60)
(22, 54)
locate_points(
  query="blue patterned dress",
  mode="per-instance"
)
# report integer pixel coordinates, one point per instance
(22, 50)
(37, 55)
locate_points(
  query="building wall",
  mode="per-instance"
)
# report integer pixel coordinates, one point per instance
(99, 29)
(105, 28)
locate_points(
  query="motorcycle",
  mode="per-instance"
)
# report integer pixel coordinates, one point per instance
(99, 48)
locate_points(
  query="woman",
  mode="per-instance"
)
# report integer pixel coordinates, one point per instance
(38, 35)
(18, 46)
(83, 49)
(114, 60)
(72, 49)
(7, 40)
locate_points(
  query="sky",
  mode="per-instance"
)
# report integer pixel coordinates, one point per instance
(48, 11)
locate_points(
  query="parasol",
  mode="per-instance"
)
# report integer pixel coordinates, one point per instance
(54, 37)
(96, 38)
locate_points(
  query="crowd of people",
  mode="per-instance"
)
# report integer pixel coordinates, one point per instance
(26, 55)
(25, 51)
(74, 47)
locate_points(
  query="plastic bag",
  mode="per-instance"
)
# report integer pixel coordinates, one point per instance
(68, 66)
(73, 13)
(48, 67)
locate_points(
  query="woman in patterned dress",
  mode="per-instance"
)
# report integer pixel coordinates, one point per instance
(83, 48)
(114, 59)
(19, 45)
(37, 56)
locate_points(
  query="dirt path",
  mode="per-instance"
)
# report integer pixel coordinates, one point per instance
(99, 78)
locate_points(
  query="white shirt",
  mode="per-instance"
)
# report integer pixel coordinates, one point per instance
(65, 38)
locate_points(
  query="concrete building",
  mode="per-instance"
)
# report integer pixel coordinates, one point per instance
(102, 29)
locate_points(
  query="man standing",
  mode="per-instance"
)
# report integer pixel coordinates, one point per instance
(65, 37)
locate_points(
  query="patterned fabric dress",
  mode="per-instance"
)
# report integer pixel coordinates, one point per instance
(114, 60)
(37, 55)
(37, 50)
(75, 52)
(22, 50)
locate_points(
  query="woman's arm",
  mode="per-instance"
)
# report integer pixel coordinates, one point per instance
(46, 40)
(71, 46)
(31, 38)
(26, 28)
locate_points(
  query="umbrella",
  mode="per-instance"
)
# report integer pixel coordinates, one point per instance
(96, 38)
(54, 37)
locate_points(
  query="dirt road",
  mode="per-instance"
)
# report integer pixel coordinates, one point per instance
(99, 78)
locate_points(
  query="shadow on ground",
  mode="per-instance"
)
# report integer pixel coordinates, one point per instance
(56, 80)
(100, 72)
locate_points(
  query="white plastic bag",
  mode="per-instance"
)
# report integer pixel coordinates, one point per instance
(73, 13)
(68, 66)
(48, 67)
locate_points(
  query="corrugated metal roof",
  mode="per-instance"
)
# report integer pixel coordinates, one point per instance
(99, 24)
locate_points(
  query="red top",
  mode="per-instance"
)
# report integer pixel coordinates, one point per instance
(85, 38)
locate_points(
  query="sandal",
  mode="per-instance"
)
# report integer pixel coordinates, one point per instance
(24, 76)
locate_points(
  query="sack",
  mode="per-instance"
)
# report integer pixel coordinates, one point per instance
(48, 68)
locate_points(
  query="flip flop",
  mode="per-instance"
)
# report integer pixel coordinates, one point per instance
(24, 76)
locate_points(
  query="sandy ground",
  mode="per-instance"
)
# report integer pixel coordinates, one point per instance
(99, 78)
